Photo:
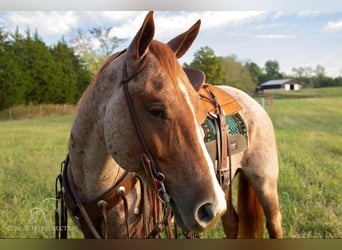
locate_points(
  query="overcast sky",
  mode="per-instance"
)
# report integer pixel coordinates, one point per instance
(293, 38)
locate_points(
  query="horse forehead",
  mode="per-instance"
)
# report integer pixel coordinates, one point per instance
(161, 79)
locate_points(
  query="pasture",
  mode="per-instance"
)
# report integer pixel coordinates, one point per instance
(309, 138)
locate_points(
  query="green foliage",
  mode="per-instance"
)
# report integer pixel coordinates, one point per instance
(256, 72)
(13, 78)
(206, 60)
(237, 75)
(73, 76)
(272, 70)
(33, 73)
(94, 45)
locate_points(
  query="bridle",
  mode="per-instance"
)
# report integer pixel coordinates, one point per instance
(152, 171)
(148, 161)
(66, 191)
(155, 178)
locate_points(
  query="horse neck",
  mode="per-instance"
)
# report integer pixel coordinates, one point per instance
(93, 168)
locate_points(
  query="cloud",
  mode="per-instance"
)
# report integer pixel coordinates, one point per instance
(309, 13)
(47, 23)
(219, 19)
(269, 26)
(279, 14)
(275, 36)
(174, 23)
(126, 23)
(333, 26)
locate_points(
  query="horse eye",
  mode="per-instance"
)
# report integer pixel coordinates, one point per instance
(158, 111)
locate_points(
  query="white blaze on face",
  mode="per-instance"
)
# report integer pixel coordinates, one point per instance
(220, 202)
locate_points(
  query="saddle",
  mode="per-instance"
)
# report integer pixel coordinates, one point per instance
(224, 128)
(206, 90)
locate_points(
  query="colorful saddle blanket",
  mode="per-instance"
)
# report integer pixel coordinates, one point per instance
(217, 101)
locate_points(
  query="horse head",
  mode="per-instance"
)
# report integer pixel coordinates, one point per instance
(162, 103)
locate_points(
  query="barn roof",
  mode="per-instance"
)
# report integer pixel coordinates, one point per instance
(276, 82)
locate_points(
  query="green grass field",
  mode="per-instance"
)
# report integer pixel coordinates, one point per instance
(309, 137)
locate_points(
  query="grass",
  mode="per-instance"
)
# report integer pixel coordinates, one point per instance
(309, 136)
(31, 151)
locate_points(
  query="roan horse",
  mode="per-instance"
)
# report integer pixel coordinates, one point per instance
(141, 114)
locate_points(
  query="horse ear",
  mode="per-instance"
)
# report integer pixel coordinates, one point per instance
(181, 43)
(142, 40)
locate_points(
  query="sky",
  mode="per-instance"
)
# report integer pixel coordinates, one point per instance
(293, 38)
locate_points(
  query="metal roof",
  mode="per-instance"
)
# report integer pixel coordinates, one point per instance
(275, 82)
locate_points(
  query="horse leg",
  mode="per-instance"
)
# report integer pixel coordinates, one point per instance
(269, 199)
(266, 189)
(230, 218)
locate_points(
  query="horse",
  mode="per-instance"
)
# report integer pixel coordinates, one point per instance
(141, 114)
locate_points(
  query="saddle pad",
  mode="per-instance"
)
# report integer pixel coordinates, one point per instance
(237, 135)
(235, 123)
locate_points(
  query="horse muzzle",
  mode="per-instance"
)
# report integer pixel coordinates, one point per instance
(203, 216)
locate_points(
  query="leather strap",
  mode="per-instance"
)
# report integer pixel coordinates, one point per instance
(223, 169)
(148, 161)
(91, 212)
(77, 202)
(218, 114)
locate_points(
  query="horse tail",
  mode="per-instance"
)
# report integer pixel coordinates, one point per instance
(250, 211)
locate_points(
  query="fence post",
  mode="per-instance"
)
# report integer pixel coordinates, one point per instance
(10, 114)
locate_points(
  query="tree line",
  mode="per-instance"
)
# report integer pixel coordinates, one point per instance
(248, 75)
(33, 73)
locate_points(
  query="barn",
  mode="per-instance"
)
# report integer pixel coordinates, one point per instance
(281, 84)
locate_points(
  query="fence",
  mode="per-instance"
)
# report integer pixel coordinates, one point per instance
(266, 102)
(30, 111)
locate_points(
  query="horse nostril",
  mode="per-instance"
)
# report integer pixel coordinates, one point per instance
(205, 213)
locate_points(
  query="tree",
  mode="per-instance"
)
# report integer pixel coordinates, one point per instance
(74, 76)
(94, 45)
(14, 77)
(38, 61)
(32, 72)
(10, 91)
(304, 75)
(272, 70)
(66, 76)
(256, 72)
(206, 60)
(107, 43)
(237, 75)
